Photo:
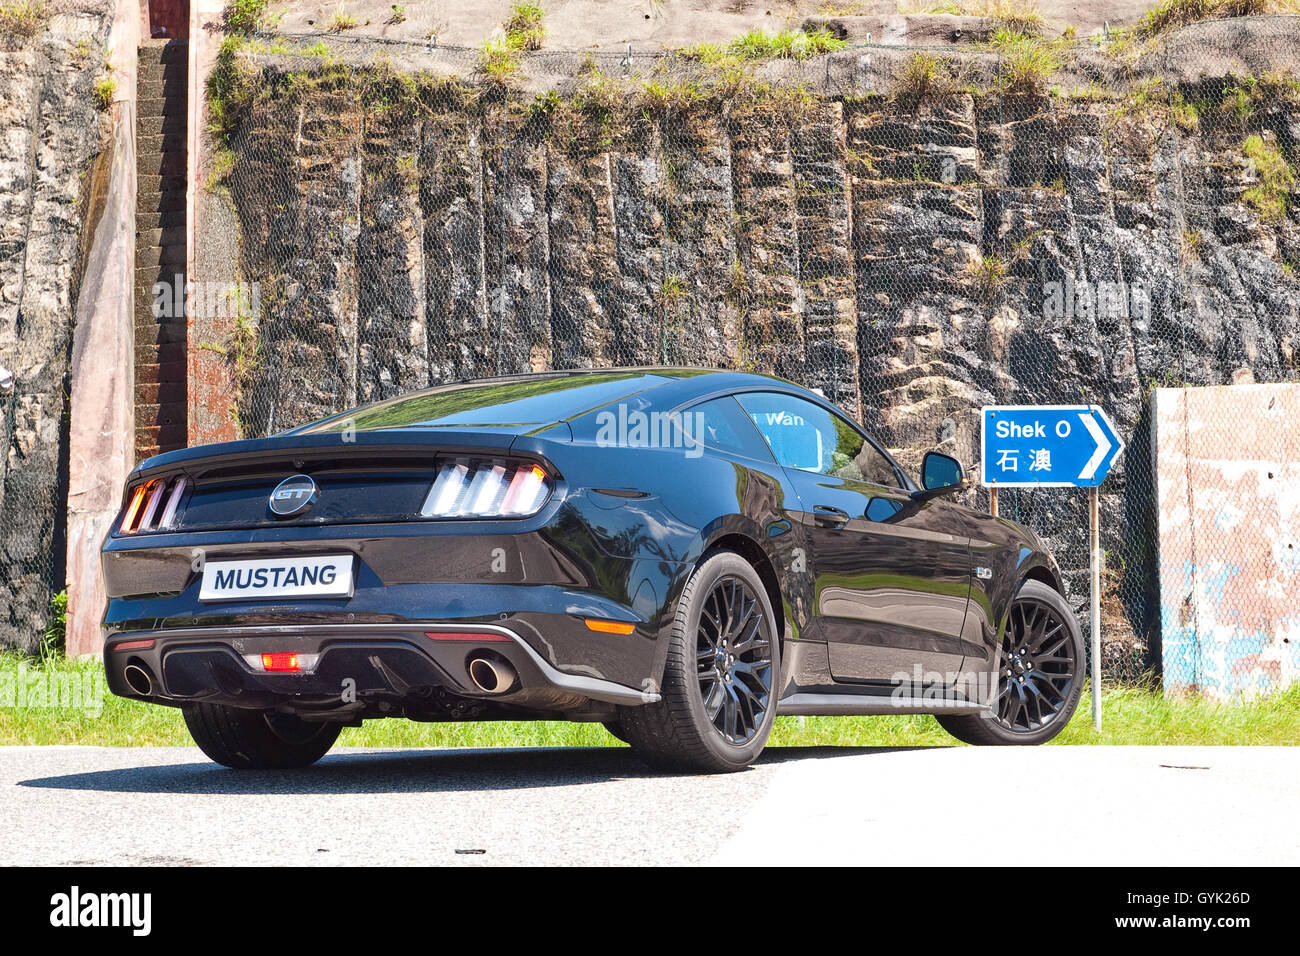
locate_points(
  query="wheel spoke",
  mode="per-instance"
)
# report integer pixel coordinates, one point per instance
(730, 723)
(713, 701)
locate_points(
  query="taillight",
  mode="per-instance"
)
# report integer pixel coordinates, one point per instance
(281, 663)
(153, 505)
(487, 488)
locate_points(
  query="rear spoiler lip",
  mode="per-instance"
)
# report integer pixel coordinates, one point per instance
(405, 440)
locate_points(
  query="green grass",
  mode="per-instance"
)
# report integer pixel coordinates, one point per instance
(924, 74)
(1131, 715)
(1026, 62)
(498, 60)
(1272, 197)
(758, 45)
(342, 21)
(103, 89)
(524, 30)
(246, 16)
(1012, 14)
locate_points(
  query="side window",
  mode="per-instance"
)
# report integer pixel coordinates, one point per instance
(721, 424)
(808, 437)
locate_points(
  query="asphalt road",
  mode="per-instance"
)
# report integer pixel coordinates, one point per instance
(964, 805)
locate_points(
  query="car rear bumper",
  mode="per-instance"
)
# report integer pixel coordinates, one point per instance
(349, 671)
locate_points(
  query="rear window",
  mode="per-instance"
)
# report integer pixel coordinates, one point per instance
(531, 401)
(722, 425)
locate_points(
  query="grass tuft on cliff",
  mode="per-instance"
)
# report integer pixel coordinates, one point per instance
(22, 18)
(1017, 15)
(247, 16)
(524, 29)
(1276, 180)
(1026, 63)
(498, 60)
(230, 86)
(342, 21)
(923, 75)
(103, 91)
(498, 57)
(757, 45)
(1172, 14)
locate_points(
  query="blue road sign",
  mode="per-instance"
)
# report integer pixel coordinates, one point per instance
(1047, 446)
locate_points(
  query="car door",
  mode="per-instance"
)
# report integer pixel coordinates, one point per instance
(892, 576)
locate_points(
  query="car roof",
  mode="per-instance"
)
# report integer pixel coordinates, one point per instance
(527, 402)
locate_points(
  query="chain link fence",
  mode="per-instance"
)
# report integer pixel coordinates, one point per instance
(914, 232)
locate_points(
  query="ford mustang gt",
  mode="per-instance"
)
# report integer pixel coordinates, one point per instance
(681, 554)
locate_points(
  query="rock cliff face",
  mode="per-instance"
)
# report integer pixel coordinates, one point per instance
(49, 136)
(914, 259)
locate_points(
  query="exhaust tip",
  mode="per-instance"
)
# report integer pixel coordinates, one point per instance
(138, 679)
(491, 676)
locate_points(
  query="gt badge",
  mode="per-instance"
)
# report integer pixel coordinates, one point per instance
(293, 496)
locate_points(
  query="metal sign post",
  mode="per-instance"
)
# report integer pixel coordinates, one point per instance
(1055, 446)
(1094, 617)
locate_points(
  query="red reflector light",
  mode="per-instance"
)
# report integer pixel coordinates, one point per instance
(611, 627)
(134, 645)
(280, 663)
(482, 637)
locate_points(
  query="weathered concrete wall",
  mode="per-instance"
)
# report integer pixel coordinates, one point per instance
(1228, 485)
(102, 427)
(50, 133)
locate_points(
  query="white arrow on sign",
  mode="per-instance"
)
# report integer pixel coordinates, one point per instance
(1103, 446)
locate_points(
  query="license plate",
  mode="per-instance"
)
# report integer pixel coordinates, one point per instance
(257, 578)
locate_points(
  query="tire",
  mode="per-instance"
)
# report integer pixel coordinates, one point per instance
(717, 650)
(616, 730)
(1049, 675)
(258, 740)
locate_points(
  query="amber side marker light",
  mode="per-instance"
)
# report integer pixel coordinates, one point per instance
(610, 627)
(280, 663)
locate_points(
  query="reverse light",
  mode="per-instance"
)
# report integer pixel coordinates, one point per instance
(153, 505)
(487, 488)
(610, 627)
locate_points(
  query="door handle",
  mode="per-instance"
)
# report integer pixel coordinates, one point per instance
(827, 517)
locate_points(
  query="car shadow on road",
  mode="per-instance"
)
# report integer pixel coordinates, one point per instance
(408, 771)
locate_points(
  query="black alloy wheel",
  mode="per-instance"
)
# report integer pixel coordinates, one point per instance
(734, 660)
(1039, 668)
(721, 676)
(1039, 674)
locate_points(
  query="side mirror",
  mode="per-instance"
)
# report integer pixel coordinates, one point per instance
(940, 475)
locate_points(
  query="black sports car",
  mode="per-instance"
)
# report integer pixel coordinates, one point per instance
(681, 554)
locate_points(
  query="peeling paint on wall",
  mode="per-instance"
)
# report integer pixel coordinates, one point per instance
(1228, 512)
